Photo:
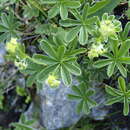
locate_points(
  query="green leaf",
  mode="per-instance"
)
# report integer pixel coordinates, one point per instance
(48, 49)
(63, 12)
(48, 1)
(91, 20)
(126, 31)
(53, 11)
(113, 91)
(30, 80)
(70, 22)
(114, 46)
(72, 4)
(124, 60)
(83, 36)
(126, 107)
(125, 46)
(114, 100)
(98, 6)
(66, 77)
(3, 28)
(37, 5)
(21, 91)
(108, 8)
(91, 102)
(122, 85)
(89, 93)
(70, 59)
(45, 72)
(80, 106)
(85, 108)
(85, 11)
(30, 11)
(76, 14)
(23, 126)
(76, 90)
(45, 60)
(61, 52)
(122, 69)
(72, 68)
(74, 97)
(72, 34)
(102, 63)
(110, 69)
(76, 52)
(5, 20)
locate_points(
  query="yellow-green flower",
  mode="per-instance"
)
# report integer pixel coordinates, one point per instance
(52, 81)
(12, 45)
(109, 26)
(96, 50)
(21, 64)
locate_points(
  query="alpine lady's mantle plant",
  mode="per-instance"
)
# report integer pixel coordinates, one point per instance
(75, 35)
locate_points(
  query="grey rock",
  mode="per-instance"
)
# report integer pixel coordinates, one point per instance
(57, 111)
(2, 54)
(101, 111)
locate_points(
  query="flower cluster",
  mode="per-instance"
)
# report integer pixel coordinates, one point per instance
(96, 50)
(109, 26)
(21, 64)
(12, 45)
(52, 81)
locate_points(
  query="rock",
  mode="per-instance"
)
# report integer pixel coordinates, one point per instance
(101, 111)
(57, 111)
(2, 54)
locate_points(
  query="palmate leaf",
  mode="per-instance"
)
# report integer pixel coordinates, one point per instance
(82, 94)
(119, 95)
(9, 27)
(61, 6)
(116, 59)
(81, 27)
(62, 63)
